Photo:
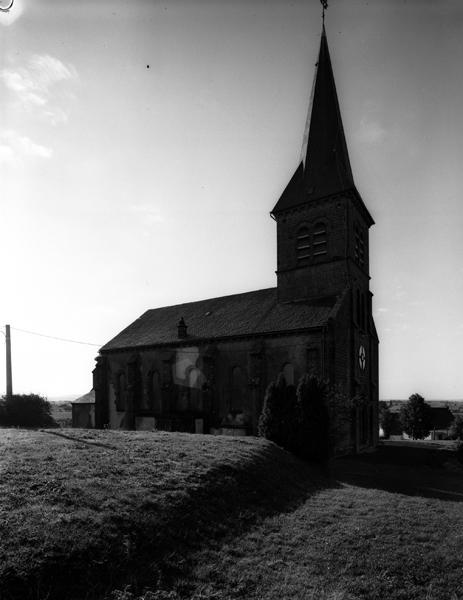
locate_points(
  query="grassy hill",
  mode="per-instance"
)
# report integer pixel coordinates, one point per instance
(83, 513)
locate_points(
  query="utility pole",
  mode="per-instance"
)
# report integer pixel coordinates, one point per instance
(9, 378)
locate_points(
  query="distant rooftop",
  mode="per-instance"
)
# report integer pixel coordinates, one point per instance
(88, 398)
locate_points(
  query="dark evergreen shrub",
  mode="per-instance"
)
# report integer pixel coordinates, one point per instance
(26, 410)
(298, 420)
(313, 432)
(340, 416)
(273, 420)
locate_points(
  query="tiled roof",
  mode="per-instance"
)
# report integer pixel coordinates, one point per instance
(88, 398)
(240, 314)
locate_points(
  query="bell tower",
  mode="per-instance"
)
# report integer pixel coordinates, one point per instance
(322, 221)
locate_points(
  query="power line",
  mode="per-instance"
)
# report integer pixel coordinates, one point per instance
(53, 337)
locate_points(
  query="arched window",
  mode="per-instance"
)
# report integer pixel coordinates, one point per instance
(195, 383)
(303, 245)
(155, 399)
(313, 361)
(288, 373)
(121, 392)
(319, 239)
(238, 389)
(195, 379)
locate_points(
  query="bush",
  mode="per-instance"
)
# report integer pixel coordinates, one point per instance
(313, 432)
(276, 421)
(26, 410)
(456, 429)
(340, 415)
(415, 417)
(385, 419)
(307, 421)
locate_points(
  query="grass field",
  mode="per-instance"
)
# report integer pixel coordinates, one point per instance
(84, 513)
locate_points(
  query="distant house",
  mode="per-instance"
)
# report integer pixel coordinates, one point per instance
(83, 411)
(441, 418)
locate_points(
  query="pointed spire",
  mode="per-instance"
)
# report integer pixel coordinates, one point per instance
(327, 166)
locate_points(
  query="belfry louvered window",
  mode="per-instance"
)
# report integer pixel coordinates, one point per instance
(319, 239)
(303, 244)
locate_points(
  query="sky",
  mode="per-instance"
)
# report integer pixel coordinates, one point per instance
(144, 143)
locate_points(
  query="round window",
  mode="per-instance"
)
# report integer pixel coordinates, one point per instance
(362, 358)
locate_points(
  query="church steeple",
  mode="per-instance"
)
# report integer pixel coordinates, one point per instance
(325, 169)
(327, 166)
(322, 222)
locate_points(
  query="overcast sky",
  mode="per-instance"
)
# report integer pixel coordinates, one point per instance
(143, 144)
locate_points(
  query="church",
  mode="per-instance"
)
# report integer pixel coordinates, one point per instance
(203, 367)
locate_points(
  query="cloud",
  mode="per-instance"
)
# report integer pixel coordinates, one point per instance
(15, 147)
(370, 131)
(37, 85)
(149, 213)
(416, 303)
(399, 292)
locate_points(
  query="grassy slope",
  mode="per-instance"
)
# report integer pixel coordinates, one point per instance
(224, 518)
(388, 526)
(105, 508)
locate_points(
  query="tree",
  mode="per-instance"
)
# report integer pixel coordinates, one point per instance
(415, 417)
(277, 419)
(270, 420)
(26, 410)
(385, 419)
(313, 435)
(298, 421)
(456, 429)
(340, 414)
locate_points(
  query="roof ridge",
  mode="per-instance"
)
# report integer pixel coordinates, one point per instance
(210, 299)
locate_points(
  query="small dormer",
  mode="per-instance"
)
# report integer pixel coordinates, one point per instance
(182, 329)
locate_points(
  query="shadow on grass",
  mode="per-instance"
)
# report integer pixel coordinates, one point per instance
(274, 483)
(155, 545)
(417, 470)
